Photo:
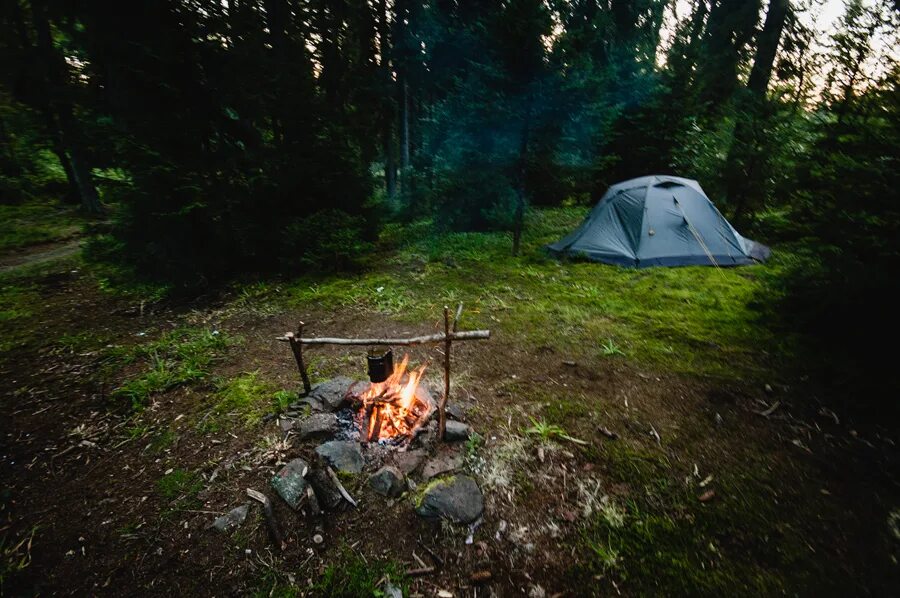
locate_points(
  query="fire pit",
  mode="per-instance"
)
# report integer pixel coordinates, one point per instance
(395, 406)
(394, 409)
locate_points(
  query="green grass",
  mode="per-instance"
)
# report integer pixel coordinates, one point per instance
(180, 356)
(180, 489)
(245, 399)
(689, 320)
(19, 303)
(745, 541)
(31, 223)
(349, 576)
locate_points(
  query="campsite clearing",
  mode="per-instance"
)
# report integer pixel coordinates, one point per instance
(130, 424)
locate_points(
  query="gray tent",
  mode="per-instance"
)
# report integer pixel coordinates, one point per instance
(658, 221)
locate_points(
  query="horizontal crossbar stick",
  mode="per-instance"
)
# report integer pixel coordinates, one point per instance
(466, 335)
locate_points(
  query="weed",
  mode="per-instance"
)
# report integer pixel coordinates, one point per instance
(611, 349)
(547, 432)
(180, 487)
(14, 557)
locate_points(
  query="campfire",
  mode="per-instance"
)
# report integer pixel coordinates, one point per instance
(395, 408)
(394, 405)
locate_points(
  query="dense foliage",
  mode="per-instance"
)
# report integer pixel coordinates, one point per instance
(253, 135)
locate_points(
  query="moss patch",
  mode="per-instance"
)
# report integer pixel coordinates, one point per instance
(245, 399)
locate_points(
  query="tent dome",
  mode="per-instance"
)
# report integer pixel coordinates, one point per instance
(658, 220)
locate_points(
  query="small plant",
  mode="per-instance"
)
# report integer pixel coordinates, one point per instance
(473, 443)
(14, 558)
(180, 487)
(610, 349)
(547, 432)
(353, 576)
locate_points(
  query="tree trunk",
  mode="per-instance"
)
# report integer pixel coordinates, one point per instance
(404, 154)
(61, 122)
(384, 52)
(519, 219)
(743, 153)
(767, 47)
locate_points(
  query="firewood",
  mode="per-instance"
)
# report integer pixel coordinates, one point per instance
(271, 522)
(314, 509)
(340, 487)
(375, 432)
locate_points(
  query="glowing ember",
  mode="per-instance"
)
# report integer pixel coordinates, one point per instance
(396, 407)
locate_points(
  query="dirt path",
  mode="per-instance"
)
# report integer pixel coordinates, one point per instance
(38, 254)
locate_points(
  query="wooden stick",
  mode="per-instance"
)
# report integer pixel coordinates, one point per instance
(442, 408)
(466, 335)
(296, 342)
(340, 487)
(456, 317)
(438, 560)
(272, 524)
(419, 572)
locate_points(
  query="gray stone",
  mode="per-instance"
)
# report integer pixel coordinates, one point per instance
(332, 394)
(456, 431)
(392, 591)
(456, 412)
(343, 455)
(444, 462)
(231, 520)
(286, 424)
(426, 437)
(409, 461)
(388, 481)
(318, 425)
(290, 484)
(457, 499)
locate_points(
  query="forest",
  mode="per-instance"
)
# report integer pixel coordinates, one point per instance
(182, 181)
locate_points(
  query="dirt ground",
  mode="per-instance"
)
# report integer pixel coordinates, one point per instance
(83, 510)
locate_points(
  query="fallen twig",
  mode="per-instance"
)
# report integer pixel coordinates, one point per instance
(770, 410)
(655, 435)
(607, 432)
(419, 572)
(437, 560)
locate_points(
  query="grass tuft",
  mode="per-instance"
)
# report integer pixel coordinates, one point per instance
(181, 356)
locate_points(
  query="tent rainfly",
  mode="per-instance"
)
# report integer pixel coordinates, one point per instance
(658, 221)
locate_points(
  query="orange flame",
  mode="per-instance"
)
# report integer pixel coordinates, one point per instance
(391, 405)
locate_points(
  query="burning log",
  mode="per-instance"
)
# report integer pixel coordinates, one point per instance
(375, 429)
